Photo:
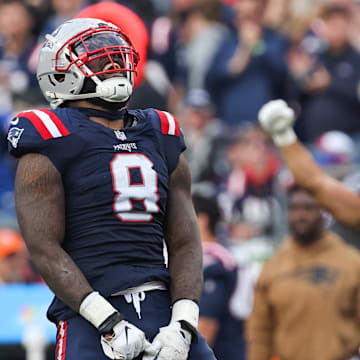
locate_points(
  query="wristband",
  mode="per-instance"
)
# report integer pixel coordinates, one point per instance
(286, 137)
(189, 328)
(107, 326)
(186, 310)
(96, 309)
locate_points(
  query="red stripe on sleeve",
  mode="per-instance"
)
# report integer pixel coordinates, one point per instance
(39, 125)
(164, 122)
(177, 128)
(59, 124)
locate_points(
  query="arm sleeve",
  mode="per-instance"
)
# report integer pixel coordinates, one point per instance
(260, 326)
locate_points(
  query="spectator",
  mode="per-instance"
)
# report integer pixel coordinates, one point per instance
(253, 168)
(222, 330)
(200, 34)
(307, 297)
(14, 265)
(63, 10)
(17, 82)
(326, 69)
(205, 137)
(185, 43)
(249, 67)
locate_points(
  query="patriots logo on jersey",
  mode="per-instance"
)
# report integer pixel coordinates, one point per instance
(120, 135)
(14, 135)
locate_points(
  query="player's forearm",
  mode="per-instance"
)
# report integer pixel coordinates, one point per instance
(342, 203)
(62, 275)
(185, 265)
(301, 164)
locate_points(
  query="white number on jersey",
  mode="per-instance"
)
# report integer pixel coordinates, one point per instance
(127, 191)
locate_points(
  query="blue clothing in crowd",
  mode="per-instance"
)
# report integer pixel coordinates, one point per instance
(220, 282)
(239, 97)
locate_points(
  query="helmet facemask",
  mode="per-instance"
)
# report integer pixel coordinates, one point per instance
(103, 57)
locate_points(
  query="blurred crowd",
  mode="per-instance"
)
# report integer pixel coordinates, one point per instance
(213, 64)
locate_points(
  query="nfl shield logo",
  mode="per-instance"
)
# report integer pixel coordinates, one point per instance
(14, 135)
(120, 135)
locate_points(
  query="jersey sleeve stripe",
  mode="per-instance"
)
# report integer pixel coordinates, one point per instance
(46, 123)
(169, 124)
(59, 124)
(38, 124)
(49, 124)
(164, 122)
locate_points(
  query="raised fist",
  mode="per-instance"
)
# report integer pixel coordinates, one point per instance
(277, 118)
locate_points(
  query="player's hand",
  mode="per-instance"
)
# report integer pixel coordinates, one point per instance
(119, 339)
(171, 343)
(277, 118)
(125, 343)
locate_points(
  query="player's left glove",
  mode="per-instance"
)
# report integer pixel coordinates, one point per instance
(173, 341)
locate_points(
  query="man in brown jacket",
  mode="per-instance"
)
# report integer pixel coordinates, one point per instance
(307, 299)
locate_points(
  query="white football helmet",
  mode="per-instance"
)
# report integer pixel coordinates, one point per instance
(82, 49)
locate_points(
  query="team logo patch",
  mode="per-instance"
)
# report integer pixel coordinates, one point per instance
(14, 135)
(120, 135)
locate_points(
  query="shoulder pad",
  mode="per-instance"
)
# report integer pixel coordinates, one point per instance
(169, 123)
(30, 130)
(46, 122)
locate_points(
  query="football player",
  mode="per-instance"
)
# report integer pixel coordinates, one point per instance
(277, 118)
(223, 286)
(98, 190)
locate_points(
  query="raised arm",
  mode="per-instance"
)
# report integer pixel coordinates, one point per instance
(277, 119)
(40, 206)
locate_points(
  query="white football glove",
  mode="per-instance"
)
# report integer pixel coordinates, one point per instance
(277, 118)
(173, 341)
(120, 339)
(126, 342)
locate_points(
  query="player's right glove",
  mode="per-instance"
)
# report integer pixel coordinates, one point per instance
(277, 118)
(119, 339)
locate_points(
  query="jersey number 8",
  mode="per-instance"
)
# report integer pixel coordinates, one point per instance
(127, 191)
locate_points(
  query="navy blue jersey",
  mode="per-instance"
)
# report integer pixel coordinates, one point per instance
(220, 281)
(116, 185)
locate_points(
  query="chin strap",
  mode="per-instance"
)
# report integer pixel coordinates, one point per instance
(115, 89)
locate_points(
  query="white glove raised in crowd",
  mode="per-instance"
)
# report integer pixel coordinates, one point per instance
(277, 118)
(173, 341)
(120, 340)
